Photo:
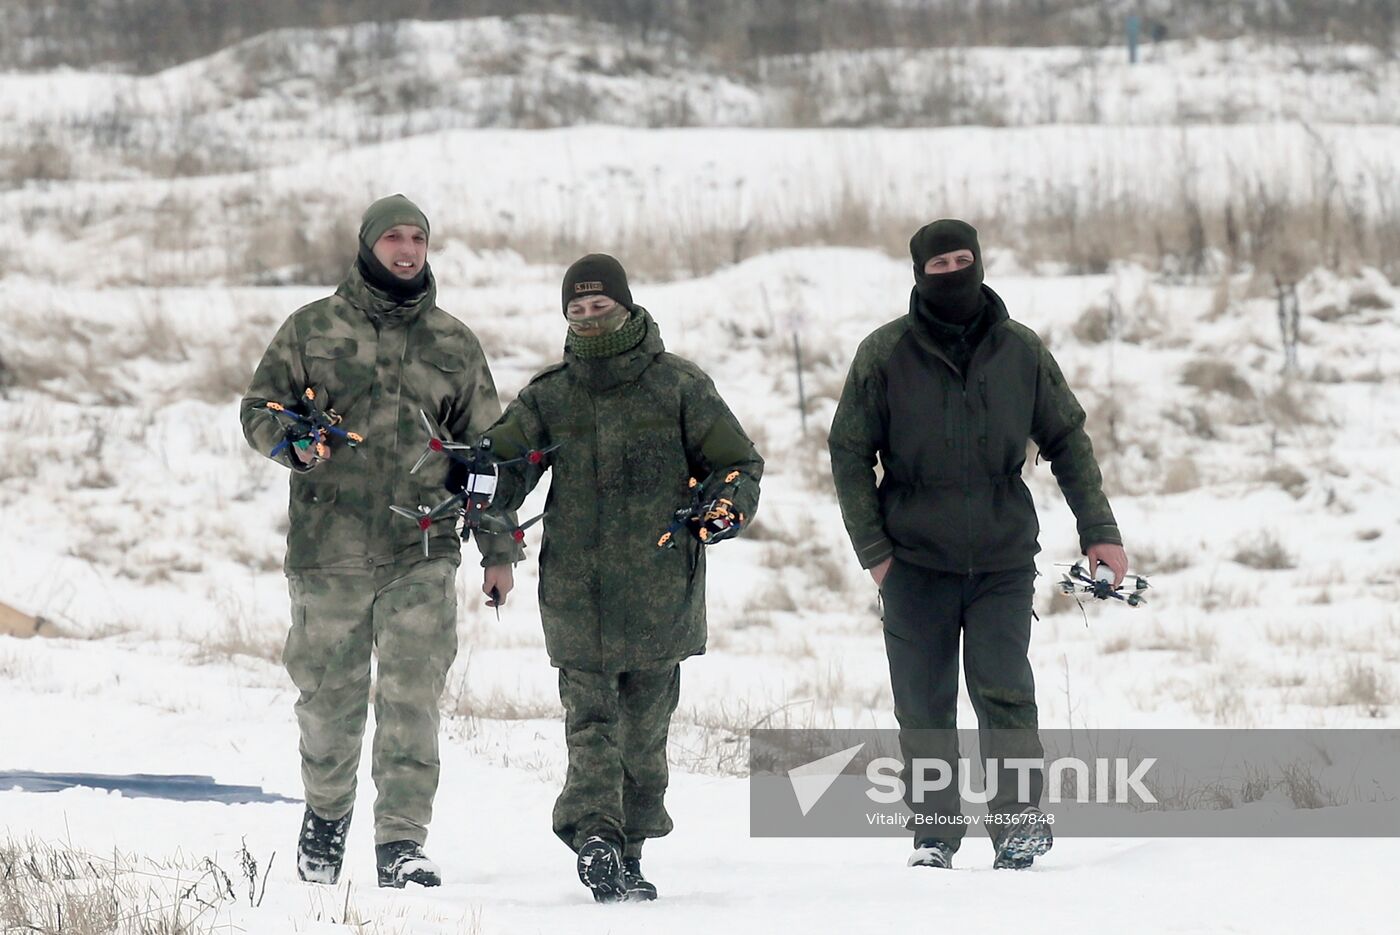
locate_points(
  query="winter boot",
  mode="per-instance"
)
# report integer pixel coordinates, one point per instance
(403, 862)
(600, 869)
(931, 852)
(636, 888)
(1025, 839)
(321, 847)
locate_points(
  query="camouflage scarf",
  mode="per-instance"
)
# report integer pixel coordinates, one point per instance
(611, 344)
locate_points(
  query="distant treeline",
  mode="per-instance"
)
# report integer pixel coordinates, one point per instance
(146, 35)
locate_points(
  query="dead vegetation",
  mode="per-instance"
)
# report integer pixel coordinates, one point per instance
(50, 889)
(1264, 552)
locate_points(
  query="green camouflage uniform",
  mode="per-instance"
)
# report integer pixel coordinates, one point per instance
(357, 574)
(619, 613)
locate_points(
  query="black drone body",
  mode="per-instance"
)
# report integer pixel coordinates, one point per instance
(1078, 581)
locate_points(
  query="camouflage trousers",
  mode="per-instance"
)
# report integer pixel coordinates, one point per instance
(616, 726)
(407, 616)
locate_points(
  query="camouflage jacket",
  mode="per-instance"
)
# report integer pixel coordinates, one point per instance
(633, 430)
(952, 445)
(377, 364)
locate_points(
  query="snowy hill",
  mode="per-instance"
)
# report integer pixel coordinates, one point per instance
(292, 95)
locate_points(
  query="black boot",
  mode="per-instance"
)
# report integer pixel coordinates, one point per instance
(636, 888)
(321, 847)
(931, 852)
(600, 869)
(403, 862)
(1025, 839)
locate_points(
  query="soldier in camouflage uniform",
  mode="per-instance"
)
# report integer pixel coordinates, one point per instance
(946, 398)
(377, 352)
(633, 424)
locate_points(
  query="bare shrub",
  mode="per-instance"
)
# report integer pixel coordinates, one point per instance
(1118, 644)
(1293, 481)
(1361, 685)
(1300, 783)
(1095, 324)
(1264, 552)
(775, 597)
(239, 637)
(1058, 603)
(1181, 475)
(1156, 560)
(1285, 408)
(1196, 420)
(1222, 699)
(1216, 376)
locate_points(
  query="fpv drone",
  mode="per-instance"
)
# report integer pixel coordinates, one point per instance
(710, 520)
(1078, 581)
(314, 428)
(471, 501)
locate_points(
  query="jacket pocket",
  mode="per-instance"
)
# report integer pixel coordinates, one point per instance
(331, 348)
(319, 533)
(443, 360)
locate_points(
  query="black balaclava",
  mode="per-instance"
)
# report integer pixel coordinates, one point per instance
(378, 218)
(951, 298)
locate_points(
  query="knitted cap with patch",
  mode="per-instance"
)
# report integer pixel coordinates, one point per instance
(597, 274)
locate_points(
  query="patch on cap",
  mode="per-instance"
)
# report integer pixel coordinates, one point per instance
(581, 287)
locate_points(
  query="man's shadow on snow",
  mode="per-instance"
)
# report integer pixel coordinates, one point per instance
(143, 786)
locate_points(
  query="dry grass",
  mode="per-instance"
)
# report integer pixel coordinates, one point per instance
(1217, 376)
(1181, 475)
(1264, 552)
(1156, 560)
(775, 597)
(1361, 685)
(51, 889)
(1293, 481)
(237, 636)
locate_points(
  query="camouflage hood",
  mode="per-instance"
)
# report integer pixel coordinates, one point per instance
(382, 309)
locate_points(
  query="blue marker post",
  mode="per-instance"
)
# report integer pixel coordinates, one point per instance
(1134, 30)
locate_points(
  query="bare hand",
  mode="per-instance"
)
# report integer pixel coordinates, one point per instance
(1106, 553)
(879, 571)
(499, 579)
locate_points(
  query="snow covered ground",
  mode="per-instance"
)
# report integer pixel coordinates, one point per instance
(1263, 504)
(135, 515)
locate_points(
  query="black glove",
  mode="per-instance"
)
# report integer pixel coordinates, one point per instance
(457, 477)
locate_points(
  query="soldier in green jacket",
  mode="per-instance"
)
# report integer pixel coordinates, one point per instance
(633, 425)
(376, 353)
(946, 398)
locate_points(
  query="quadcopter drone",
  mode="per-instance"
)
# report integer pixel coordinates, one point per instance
(1077, 581)
(710, 520)
(476, 495)
(314, 428)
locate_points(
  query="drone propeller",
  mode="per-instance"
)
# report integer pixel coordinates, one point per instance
(440, 445)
